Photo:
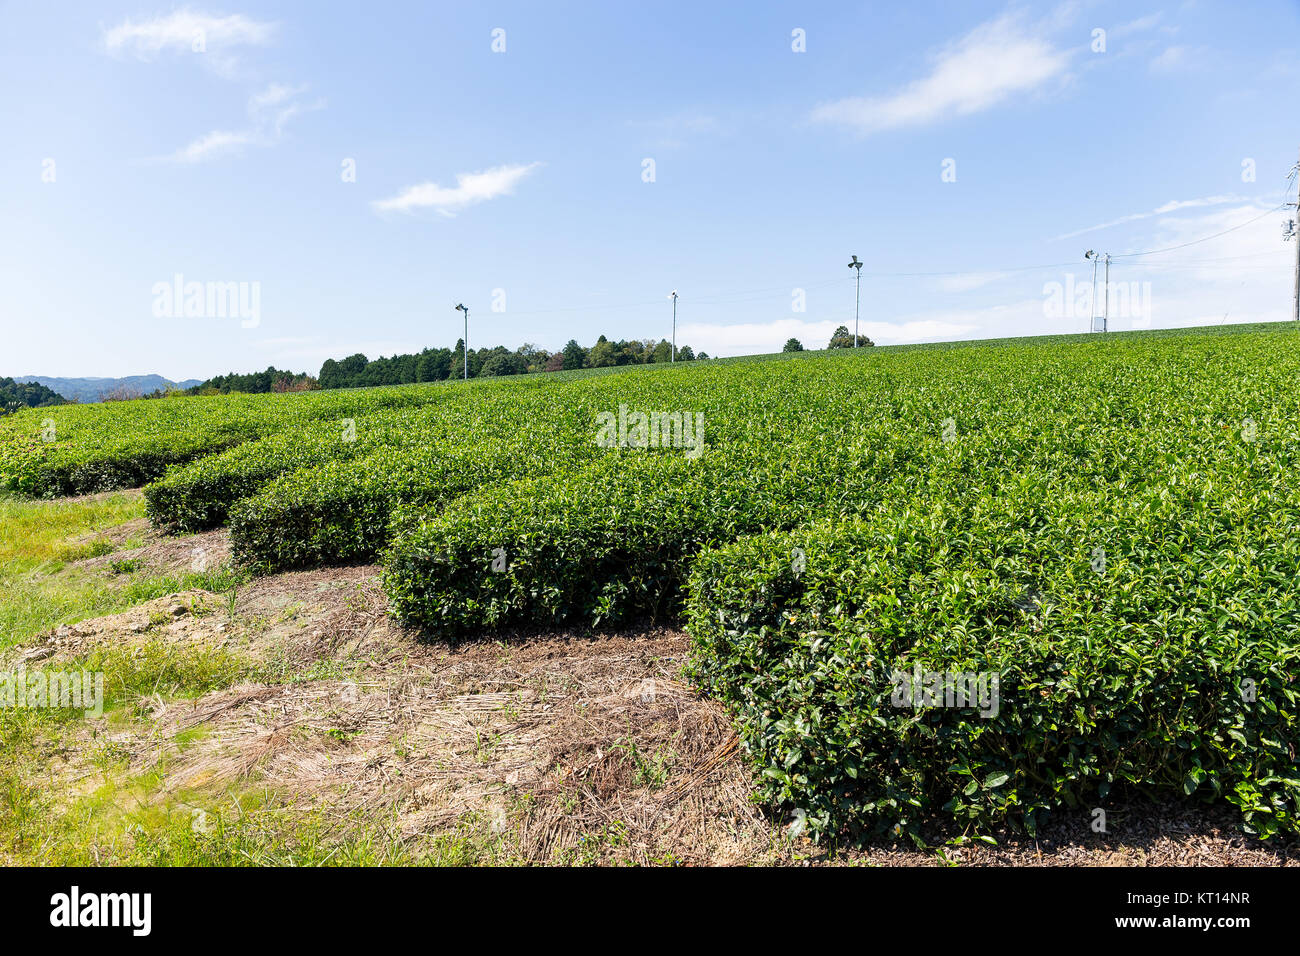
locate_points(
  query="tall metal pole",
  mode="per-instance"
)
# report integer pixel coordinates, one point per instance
(1296, 235)
(674, 358)
(1092, 307)
(1105, 308)
(857, 300)
(461, 307)
(857, 306)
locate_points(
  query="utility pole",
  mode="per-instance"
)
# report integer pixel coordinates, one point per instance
(1105, 307)
(465, 340)
(857, 299)
(1295, 234)
(674, 296)
(1092, 305)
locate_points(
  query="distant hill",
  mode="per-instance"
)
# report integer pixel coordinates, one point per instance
(95, 389)
(16, 395)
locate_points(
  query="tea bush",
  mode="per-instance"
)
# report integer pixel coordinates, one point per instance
(83, 449)
(944, 506)
(1143, 644)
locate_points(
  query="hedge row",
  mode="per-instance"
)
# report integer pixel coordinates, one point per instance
(199, 496)
(82, 449)
(612, 542)
(1164, 663)
(340, 513)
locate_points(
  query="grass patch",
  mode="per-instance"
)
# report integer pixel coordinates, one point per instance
(126, 817)
(33, 532)
(40, 589)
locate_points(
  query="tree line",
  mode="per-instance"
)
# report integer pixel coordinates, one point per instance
(435, 365)
(841, 338)
(272, 380)
(17, 395)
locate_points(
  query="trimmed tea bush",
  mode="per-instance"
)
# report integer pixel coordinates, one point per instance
(82, 449)
(612, 542)
(1147, 644)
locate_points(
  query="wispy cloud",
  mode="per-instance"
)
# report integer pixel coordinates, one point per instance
(1137, 26)
(214, 144)
(470, 188)
(273, 95)
(675, 131)
(987, 66)
(274, 106)
(1173, 58)
(1171, 206)
(269, 110)
(190, 31)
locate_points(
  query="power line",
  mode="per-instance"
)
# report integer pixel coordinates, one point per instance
(1184, 245)
(1294, 234)
(741, 296)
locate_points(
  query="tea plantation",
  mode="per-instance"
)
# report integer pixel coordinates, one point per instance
(1101, 533)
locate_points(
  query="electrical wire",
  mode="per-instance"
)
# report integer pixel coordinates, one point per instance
(752, 295)
(1184, 245)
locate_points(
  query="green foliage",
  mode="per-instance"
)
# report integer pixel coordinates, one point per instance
(16, 395)
(339, 513)
(842, 338)
(606, 544)
(198, 496)
(272, 380)
(339, 510)
(1169, 672)
(433, 365)
(84, 449)
(946, 503)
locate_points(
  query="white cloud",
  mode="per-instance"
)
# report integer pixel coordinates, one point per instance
(470, 188)
(1244, 275)
(1172, 206)
(277, 104)
(1173, 58)
(269, 109)
(985, 67)
(1137, 26)
(273, 95)
(182, 30)
(211, 145)
(1245, 251)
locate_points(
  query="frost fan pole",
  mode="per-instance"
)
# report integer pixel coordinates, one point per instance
(857, 300)
(1295, 234)
(1105, 306)
(465, 340)
(673, 294)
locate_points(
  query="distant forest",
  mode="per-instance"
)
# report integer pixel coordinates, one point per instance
(434, 365)
(16, 395)
(272, 380)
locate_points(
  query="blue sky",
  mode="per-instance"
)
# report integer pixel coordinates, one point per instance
(968, 139)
